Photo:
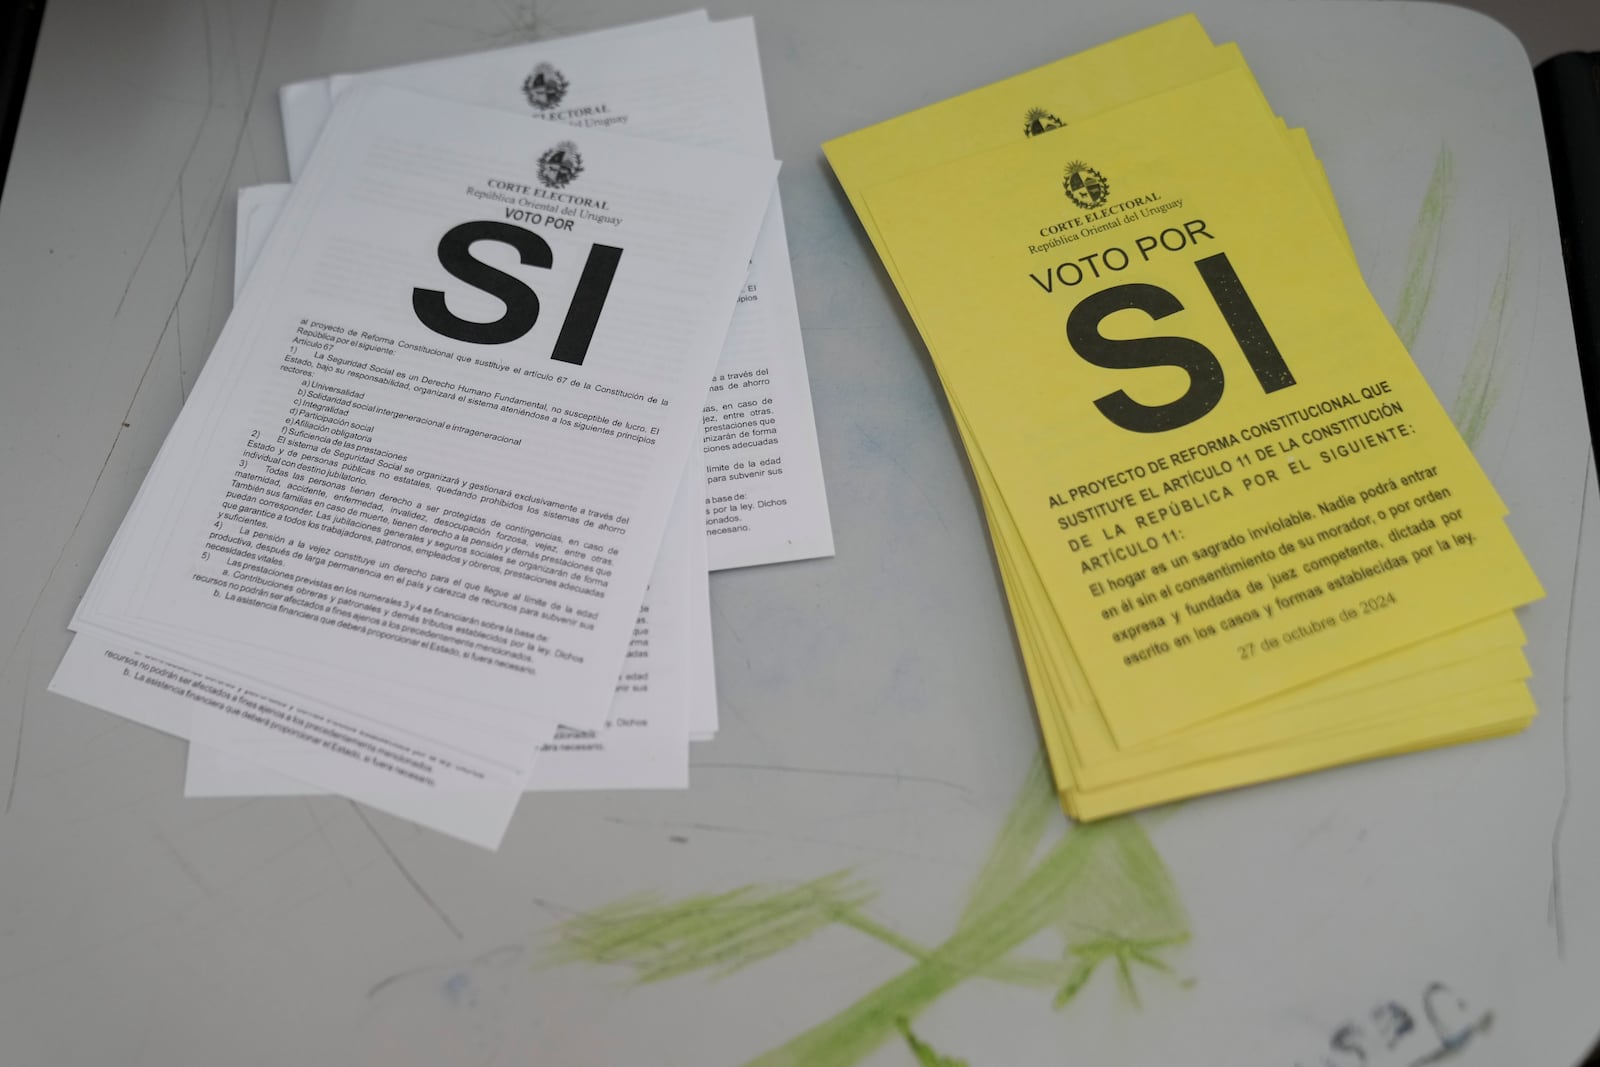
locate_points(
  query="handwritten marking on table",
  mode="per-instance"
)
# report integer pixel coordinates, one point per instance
(1429, 1028)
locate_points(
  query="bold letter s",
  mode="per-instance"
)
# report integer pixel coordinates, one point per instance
(455, 255)
(1205, 373)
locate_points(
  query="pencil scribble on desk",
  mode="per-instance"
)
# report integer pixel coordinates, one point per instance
(519, 21)
(403, 1019)
(1422, 256)
(1101, 887)
(1476, 396)
(1557, 916)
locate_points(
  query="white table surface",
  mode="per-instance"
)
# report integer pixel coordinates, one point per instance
(1546, 27)
(875, 719)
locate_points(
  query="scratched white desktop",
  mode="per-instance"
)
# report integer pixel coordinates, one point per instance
(855, 876)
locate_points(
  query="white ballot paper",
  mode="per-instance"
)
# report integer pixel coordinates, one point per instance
(416, 511)
(258, 209)
(694, 671)
(305, 105)
(259, 206)
(644, 743)
(694, 84)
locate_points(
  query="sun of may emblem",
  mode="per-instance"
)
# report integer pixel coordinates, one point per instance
(1038, 121)
(559, 165)
(545, 87)
(1085, 186)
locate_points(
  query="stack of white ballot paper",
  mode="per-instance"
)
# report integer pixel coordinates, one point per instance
(434, 526)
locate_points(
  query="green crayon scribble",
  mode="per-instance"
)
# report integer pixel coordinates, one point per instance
(859, 1030)
(1135, 915)
(1422, 258)
(924, 1052)
(1125, 952)
(721, 932)
(1475, 399)
(1031, 815)
(1102, 887)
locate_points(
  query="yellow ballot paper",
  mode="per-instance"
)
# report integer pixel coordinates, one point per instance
(1274, 738)
(1045, 99)
(1362, 711)
(1226, 471)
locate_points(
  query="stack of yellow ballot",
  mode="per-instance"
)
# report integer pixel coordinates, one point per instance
(1239, 535)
